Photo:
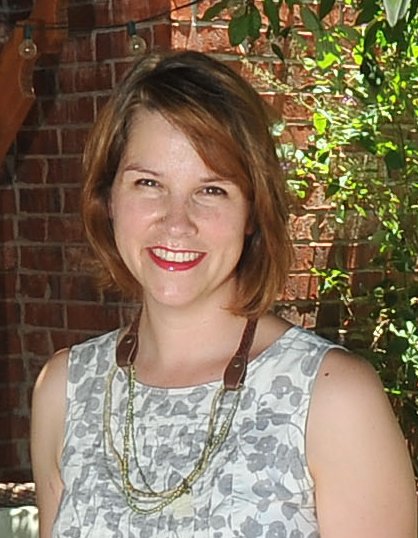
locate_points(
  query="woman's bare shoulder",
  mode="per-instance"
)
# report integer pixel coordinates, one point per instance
(350, 381)
(356, 453)
(348, 386)
(269, 329)
(47, 435)
(51, 381)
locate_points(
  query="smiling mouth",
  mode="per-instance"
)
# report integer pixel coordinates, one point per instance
(175, 256)
(175, 260)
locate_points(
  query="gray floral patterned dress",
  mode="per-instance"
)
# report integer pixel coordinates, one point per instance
(258, 484)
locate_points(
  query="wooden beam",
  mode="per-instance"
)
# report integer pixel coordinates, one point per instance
(16, 73)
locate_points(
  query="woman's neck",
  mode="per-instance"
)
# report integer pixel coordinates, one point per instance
(184, 346)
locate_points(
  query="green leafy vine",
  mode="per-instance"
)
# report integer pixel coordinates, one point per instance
(360, 59)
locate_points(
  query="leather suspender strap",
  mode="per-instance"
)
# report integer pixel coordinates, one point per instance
(235, 372)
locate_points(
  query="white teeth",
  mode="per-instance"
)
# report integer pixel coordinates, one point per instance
(178, 257)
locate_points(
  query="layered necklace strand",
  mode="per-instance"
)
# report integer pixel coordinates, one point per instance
(149, 501)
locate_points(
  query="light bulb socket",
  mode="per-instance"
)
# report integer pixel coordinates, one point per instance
(131, 27)
(27, 31)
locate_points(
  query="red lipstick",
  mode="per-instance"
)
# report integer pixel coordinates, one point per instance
(172, 265)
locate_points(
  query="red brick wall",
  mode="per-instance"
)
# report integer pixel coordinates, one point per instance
(48, 299)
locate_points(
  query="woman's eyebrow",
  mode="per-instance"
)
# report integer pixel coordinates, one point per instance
(137, 167)
(216, 179)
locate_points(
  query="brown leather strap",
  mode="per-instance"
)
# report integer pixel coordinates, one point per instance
(236, 370)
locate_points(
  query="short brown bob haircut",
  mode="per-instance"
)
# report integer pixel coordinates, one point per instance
(227, 123)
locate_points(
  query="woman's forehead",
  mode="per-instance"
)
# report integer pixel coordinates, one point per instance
(153, 131)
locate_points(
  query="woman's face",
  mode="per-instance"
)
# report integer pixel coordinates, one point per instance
(178, 227)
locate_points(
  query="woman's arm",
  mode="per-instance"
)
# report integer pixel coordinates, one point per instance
(357, 455)
(47, 435)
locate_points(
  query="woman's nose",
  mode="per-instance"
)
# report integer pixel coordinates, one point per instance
(178, 217)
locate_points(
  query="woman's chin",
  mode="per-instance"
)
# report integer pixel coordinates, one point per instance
(171, 298)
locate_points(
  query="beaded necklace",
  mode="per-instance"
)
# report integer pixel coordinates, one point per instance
(147, 500)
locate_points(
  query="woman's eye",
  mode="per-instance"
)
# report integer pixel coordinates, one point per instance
(146, 182)
(214, 191)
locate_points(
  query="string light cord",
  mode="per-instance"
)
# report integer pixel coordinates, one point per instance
(153, 18)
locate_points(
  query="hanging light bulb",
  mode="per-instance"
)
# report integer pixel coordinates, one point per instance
(137, 44)
(27, 49)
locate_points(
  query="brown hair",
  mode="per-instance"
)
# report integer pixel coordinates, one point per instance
(228, 124)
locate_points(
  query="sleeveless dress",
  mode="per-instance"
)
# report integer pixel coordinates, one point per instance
(258, 484)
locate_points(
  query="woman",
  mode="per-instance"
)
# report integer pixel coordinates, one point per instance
(161, 429)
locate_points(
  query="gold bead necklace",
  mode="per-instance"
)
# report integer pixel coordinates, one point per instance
(149, 501)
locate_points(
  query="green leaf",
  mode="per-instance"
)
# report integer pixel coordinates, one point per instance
(320, 123)
(407, 314)
(351, 33)
(254, 22)
(310, 20)
(327, 60)
(394, 160)
(284, 32)
(413, 10)
(396, 10)
(378, 292)
(213, 11)
(398, 346)
(322, 156)
(271, 10)
(396, 34)
(238, 29)
(368, 142)
(391, 298)
(367, 13)
(277, 51)
(325, 7)
(332, 189)
(370, 34)
(371, 71)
